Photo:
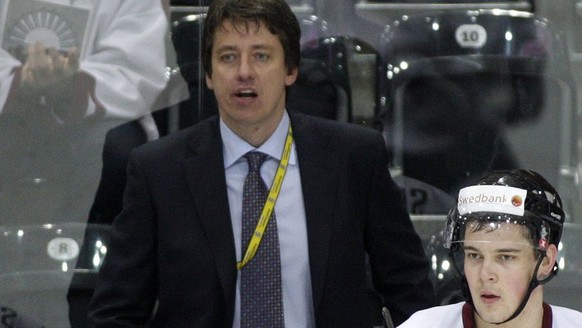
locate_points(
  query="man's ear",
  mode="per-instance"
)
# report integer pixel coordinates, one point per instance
(292, 76)
(208, 81)
(547, 265)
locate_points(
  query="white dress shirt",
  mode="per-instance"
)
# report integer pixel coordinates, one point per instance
(290, 213)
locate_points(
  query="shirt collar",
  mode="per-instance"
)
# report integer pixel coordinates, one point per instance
(235, 147)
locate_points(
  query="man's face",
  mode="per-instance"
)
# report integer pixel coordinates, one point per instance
(249, 76)
(498, 266)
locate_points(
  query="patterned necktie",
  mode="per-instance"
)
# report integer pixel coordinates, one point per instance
(261, 292)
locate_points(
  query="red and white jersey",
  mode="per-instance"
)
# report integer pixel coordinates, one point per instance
(460, 315)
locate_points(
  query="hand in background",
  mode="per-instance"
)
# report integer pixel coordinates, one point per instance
(49, 85)
(49, 71)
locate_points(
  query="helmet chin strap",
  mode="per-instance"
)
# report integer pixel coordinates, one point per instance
(532, 285)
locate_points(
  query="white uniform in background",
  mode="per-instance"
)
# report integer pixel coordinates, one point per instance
(123, 51)
(49, 172)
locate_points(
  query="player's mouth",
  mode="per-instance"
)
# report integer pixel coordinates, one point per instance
(489, 298)
(246, 94)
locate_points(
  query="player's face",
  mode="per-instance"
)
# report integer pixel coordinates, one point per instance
(498, 265)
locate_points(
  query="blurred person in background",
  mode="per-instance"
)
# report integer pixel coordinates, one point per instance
(70, 70)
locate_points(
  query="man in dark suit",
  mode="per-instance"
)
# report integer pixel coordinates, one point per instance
(177, 256)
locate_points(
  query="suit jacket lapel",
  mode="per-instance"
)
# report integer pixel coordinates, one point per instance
(206, 179)
(316, 160)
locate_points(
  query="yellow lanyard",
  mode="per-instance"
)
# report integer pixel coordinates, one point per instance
(269, 203)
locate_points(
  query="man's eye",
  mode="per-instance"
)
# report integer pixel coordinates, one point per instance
(506, 257)
(227, 58)
(472, 256)
(262, 56)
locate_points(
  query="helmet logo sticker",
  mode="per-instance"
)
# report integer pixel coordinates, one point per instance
(516, 200)
(471, 36)
(556, 216)
(499, 199)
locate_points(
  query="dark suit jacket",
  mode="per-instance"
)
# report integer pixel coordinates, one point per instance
(172, 247)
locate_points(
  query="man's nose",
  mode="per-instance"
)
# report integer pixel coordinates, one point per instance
(246, 68)
(487, 271)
